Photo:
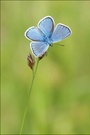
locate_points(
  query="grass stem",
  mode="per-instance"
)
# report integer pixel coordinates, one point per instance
(27, 103)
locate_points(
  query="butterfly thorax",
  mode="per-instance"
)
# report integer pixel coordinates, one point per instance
(48, 40)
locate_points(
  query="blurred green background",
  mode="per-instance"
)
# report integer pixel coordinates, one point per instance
(60, 98)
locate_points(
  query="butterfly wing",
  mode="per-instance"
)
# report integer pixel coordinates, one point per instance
(39, 48)
(61, 31)
(46, 25)
(33, 33)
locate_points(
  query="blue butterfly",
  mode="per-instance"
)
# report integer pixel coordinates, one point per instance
(44, 35)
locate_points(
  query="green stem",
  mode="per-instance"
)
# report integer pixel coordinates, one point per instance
(27, 103)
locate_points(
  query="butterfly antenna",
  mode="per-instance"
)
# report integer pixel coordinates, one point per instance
(59, 44)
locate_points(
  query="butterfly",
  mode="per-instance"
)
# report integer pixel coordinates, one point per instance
(44, 35)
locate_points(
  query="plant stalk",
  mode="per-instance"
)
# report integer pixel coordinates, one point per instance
(27, 103)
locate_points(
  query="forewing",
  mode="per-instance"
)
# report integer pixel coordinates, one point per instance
(61, 31)
(46, 25)
(33, 33)
(39, 48)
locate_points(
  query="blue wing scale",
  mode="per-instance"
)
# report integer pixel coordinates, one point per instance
(61, 31)
(46, 25)
(33, 33)
(39, 48)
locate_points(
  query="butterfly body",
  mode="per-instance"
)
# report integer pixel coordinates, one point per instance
(48, 41)
(44, 35)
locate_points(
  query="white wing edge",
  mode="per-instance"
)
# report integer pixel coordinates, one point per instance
(27, 31)
(65, 26)
(34, 53)
(45, 18)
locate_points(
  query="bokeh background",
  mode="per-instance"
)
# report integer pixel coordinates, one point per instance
(60, 98)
